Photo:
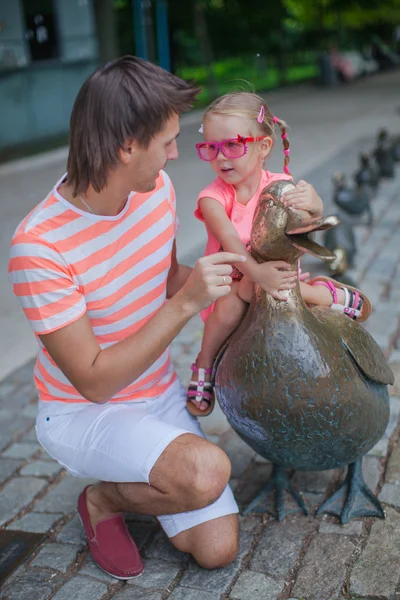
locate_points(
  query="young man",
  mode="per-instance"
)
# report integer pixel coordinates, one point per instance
(93, 266)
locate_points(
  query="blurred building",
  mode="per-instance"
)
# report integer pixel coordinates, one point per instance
(47, 49)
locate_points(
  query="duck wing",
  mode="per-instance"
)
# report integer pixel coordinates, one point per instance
(361, 346)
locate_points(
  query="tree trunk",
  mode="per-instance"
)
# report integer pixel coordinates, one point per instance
(201, 30)
(106, 30)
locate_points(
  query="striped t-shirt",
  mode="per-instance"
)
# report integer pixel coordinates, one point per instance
(66, 262)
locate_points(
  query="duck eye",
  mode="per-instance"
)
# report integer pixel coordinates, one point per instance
(271, 203)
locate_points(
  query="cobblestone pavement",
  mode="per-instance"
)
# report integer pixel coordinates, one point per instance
(302, 558)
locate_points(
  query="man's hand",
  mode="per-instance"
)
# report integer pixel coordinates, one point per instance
(304, 197)
(274, 277)
(209, 280)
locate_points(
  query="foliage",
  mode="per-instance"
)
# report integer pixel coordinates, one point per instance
(350, 14)
(244, 74)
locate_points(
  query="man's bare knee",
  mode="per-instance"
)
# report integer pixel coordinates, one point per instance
(214, 544)
(211, 472)
(192, 470)
(219, 556)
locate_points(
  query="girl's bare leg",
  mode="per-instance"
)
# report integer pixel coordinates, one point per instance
(225, 318)
(319, 294)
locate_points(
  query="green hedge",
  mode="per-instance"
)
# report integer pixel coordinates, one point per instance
(243, 74)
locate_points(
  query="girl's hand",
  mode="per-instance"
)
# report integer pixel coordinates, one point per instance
(274, 277)
(303, 276)
(304, 197)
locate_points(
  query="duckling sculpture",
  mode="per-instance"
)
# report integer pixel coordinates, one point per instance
(353, 201)
(367, 175)
(384, 154)
(305, 388)
(396, 148)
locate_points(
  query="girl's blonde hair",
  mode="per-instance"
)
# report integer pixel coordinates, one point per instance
(252, 107)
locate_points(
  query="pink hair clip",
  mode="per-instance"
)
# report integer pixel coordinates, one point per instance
(284, 136)
(287, 151)
(286, 169)
(261, 114)
(275, 119)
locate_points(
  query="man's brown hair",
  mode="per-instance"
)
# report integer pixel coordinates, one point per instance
(127, 99)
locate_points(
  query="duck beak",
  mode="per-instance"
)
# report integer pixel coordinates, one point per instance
(299, 236)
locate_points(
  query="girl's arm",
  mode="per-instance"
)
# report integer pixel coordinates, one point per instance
(267, 275)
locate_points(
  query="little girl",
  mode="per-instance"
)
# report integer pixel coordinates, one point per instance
(238, 132)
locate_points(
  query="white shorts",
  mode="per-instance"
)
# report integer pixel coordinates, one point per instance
(121, 442)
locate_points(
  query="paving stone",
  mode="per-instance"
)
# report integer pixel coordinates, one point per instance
(380, 324)
(20, 397)
(30, 410)
(41, 468)
(252, 482)
(280, 544)
(73, 533)
(21, 450)
(313, 481)
(64, 496)
(380, 449)
(24, 374)
(376, 571)
(323, 568)
(17, 494)
(90, 569)
(160, 547)
(35, 522)
(44, 456)
(56, 556)
(372, 471)
(352, 528)
(157, 575)
(393, 468)
(11, 426)
(395, 405)
(394, 390)
(187, 594)
(215, 580)
(256, 585)
(392, 425)
(81, 588)
(32, 585)
(313, 500)
(395, 355)
(6, 389)
(239, 453)
(8, 466)
(136, 593)
(390, 494)
(30, 436)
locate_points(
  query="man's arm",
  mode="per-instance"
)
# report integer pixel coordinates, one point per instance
(98, 374)
(177, 275)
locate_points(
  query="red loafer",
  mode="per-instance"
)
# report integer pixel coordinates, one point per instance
(111, 545)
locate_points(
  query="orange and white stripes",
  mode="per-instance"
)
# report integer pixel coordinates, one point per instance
(65, 262)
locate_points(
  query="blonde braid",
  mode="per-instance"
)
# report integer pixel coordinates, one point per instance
(286, 144)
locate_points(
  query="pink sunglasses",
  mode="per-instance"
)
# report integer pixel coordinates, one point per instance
(233, 148)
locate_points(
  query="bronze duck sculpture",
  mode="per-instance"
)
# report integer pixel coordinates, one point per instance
(306, 388)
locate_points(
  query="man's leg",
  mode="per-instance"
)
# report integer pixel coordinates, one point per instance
(190, 474)
(213, 544)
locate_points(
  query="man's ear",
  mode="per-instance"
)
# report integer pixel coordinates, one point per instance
(126, 153)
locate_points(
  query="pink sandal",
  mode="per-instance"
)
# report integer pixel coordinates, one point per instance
(356, 304)
(198, 391)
